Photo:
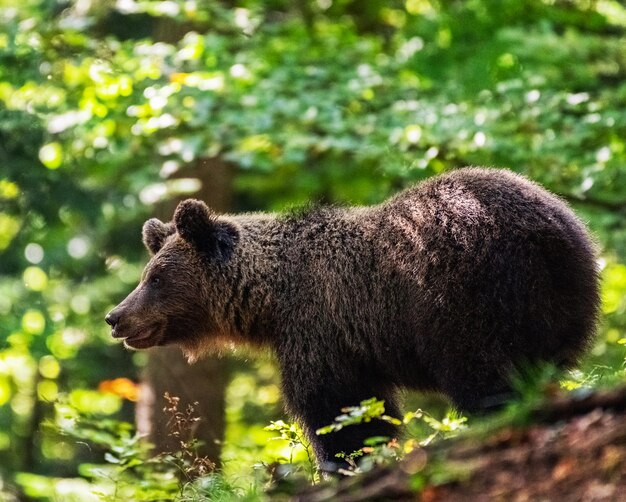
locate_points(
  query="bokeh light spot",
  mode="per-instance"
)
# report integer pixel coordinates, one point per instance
(9, 227)
(5, 391)
(413, 133)
(51, 155)
(34, 253)
(8, 189)
(35, 279)
(80, 304)
(47, 390)
(33, 322)
(78, 247)
(91, 401)
(49, 367)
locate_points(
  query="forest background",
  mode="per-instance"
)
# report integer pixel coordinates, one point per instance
(111, 111)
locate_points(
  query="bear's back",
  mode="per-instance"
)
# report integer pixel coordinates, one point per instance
(464, 214)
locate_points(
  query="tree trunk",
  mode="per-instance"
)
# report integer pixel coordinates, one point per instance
(168, 371)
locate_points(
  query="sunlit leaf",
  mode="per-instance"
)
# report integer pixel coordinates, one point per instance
(51, 155)
(33, 322)
(35, 279)
(49, 367)
(5, 390)
(9, 226)
(8, 189)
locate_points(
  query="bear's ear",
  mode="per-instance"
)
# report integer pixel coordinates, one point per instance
(200, 226)
(154, 233)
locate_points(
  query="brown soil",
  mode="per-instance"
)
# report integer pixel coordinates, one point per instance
(575, 450)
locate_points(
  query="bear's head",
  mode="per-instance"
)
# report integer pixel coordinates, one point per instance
(175, 302)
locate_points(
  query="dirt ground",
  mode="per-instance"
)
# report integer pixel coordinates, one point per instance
(574, 450)
(583, 459)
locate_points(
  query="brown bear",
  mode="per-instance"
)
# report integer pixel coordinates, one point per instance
(449, 286)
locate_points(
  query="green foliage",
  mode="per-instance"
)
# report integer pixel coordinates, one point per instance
(296, 439)
(422, 428)
(366, 411)
(104, 106)
(130, 471)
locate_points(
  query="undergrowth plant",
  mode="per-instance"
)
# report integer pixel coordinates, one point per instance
(129, 471)
(379, 450)
(132, 472)
(182, 425)
(297, 441)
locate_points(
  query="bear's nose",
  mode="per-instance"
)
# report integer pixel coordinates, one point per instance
(112, 318)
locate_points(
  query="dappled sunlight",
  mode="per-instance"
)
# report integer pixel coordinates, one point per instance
(111, 112)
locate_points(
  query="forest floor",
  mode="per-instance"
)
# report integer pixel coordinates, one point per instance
(568, 449)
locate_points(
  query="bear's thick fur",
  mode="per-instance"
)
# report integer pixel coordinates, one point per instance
(449, 286)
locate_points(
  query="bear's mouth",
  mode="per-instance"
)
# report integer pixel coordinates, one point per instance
(143, 339)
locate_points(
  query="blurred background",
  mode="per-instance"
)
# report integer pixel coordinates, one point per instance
(111, 111)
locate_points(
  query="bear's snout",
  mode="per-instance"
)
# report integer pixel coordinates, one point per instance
(131, 323)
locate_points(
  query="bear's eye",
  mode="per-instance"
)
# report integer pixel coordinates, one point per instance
(155, 281)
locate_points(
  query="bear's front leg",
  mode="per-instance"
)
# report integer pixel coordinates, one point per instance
(316, 401)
